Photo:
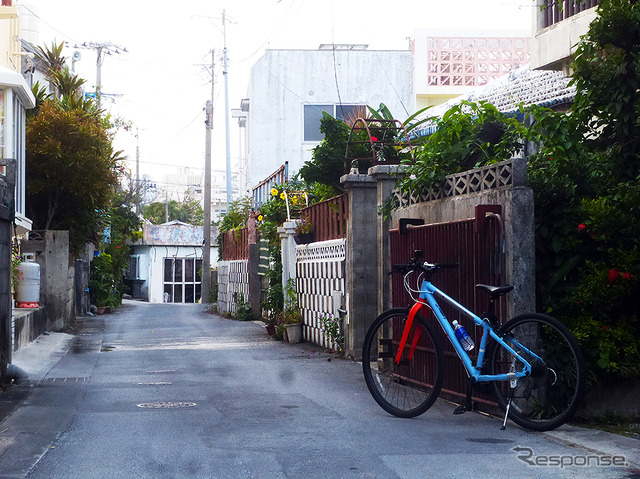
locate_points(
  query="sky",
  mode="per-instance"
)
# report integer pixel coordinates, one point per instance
(162, 82)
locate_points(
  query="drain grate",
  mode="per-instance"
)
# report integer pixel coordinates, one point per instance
(166, 405)
(161, 371)
(156, 383)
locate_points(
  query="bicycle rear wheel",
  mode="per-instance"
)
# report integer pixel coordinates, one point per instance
(409, 388)
(551, 394)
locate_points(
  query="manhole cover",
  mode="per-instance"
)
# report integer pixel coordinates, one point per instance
(166, 405)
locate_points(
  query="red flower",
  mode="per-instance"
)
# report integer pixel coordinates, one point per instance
(613, 274)
(581, 226)
(373, 138)
(627, 276)
(605, 328)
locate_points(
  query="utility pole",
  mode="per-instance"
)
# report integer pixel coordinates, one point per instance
(206, 251)
(137, 190)
(101, 49)
(226, 109)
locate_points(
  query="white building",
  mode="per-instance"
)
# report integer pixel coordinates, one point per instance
(289, 90)
(557, 29)
(451, 63)
(166, 266)
(15, 99)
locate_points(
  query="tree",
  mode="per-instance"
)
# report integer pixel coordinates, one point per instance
(188, 211)
(328, 158)
(587, 195)
(71, 171)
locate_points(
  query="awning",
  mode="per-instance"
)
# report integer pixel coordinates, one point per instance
(15, 81)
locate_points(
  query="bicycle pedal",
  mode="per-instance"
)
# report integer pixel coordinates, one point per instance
(460, 410)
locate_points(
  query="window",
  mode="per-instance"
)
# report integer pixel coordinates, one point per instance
(313, 115)
(133, 268)
(182, 280)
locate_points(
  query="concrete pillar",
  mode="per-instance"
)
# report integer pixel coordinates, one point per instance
(255, 282)
(361, 260)
(288, 247)
(386, 178)
(52, 254)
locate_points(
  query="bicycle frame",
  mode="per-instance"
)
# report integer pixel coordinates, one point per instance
(427, 293)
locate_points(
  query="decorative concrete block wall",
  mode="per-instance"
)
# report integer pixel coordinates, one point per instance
(320, 283)
(233, 281)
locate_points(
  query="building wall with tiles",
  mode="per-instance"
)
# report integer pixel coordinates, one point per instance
(320, 283)
(233, 282)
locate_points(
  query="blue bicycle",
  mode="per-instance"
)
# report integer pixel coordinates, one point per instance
(533, 363)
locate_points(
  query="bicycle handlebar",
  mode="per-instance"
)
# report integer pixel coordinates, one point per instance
(423, 267)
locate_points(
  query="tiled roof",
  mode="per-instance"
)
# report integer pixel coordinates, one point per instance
(523, 85)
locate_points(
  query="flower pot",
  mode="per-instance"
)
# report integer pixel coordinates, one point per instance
(294, 332)
(305, 238)
(271, 329)
(102, 309)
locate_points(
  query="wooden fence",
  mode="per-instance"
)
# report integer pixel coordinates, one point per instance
(329, 218)
(235, 245)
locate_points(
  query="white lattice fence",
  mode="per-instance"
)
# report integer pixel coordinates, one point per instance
(320, 278)
(233, 282)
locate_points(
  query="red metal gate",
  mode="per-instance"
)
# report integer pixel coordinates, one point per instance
(476, 245)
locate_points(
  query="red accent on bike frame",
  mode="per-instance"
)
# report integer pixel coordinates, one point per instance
(405, 333)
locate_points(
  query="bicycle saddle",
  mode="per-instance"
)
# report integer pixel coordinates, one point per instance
(495, 291)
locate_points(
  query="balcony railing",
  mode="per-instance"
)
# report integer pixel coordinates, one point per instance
(558, 10)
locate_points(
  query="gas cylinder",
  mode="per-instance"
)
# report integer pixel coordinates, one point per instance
(28, 283)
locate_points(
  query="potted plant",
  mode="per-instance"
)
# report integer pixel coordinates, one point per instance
(291, 315)
(304, 232)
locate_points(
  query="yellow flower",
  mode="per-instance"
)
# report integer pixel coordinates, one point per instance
(294, 200)
(282, 196)
(260, 217)
(274, 191)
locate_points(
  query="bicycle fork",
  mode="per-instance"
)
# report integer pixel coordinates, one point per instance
(405, 334)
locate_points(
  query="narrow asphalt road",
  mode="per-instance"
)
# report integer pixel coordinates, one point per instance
(167, 391)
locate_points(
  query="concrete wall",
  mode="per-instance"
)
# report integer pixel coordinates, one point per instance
(51, 250)
(28, 325)
(283, 81)
(233, 280)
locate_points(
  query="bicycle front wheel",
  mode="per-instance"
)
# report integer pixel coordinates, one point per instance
(405, 384)
(550, 395)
